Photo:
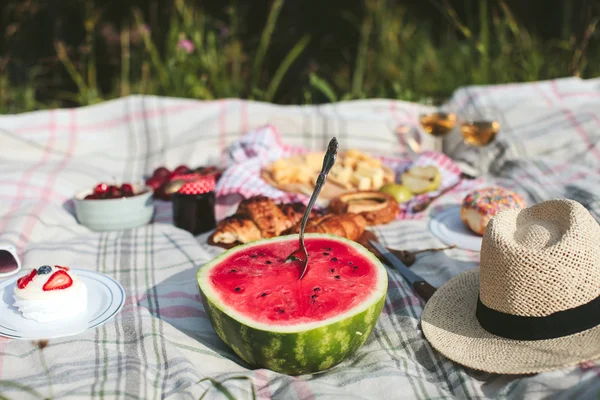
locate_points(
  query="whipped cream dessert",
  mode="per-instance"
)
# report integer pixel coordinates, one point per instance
(50, 293)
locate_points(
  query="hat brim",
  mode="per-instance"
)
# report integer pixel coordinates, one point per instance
(449, 324)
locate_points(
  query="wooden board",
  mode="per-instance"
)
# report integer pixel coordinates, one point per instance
(329, 191)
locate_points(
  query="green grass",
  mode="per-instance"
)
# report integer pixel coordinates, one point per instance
(395, 56)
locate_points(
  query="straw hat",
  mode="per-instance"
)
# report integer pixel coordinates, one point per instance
(534, 303)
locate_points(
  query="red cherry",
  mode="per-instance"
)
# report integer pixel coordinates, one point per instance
(155, 183)
(101, 188)
(161, 172)
(182, 169)
(91, 197)
(127, 190)
(114, 192)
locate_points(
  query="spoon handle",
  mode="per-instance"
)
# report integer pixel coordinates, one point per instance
(328, 162)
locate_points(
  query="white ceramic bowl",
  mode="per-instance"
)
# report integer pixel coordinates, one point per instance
(115, 214)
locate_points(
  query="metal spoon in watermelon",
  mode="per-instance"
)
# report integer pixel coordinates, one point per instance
(328, 162)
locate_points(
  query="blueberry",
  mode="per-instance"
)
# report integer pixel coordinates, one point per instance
(44, 269)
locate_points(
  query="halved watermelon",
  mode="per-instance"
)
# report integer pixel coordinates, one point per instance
(271, 319)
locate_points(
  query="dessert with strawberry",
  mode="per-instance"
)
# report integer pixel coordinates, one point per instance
(50, 293)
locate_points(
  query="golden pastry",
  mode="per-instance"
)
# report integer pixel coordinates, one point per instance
(257, 218)
(375, 207)
(349, 226)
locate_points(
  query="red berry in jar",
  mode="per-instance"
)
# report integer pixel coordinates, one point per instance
(161, 172)
(127, 190)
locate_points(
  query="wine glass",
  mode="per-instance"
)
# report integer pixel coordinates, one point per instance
(436, 118)
(479, 127)
(410, 139)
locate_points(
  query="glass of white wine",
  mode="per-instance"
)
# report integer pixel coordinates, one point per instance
(436, 118)
(479, 127)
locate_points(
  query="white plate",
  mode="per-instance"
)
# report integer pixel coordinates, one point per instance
(449, 228)
(105, 299)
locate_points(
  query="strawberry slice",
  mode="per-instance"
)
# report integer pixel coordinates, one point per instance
(24, 280)
(61, 267)
(58, 280)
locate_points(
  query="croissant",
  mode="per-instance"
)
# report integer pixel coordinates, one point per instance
(257, 218)
(236, 229)
(265, 214)
(349, 226)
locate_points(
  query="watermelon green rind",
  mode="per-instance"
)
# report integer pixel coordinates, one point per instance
(295, 353)
(300, 348)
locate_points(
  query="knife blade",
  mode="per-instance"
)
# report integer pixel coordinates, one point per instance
(420, 285)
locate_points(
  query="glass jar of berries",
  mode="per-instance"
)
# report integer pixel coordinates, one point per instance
(194, 205)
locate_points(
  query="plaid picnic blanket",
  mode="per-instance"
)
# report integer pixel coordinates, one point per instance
(161, 345)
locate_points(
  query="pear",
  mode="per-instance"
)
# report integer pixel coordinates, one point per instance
(398, 192)
(422, 179)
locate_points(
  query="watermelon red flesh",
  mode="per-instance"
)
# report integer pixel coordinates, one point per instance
(259, 283)
(308, 336)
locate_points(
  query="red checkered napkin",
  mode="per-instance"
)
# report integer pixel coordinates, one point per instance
(260, 147)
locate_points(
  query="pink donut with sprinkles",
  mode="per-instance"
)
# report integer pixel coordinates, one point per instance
(481, 205)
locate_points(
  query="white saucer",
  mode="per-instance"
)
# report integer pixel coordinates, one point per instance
(449, 228)
(105, 299)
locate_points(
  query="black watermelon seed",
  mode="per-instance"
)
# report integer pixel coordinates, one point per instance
(281, 311)
(325, 253)
(332, 270)
(234, 270)
(317, 289)
(329, 249)
(269, 262)
(334, 259)
(263, 295)
(355, 267)
(314, 296)
(337, 277)
(349, 262)
(253, 256)
(237, 289)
